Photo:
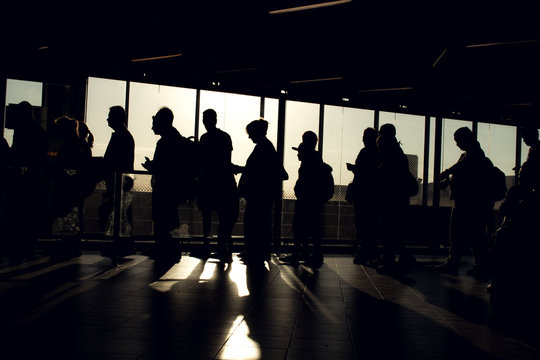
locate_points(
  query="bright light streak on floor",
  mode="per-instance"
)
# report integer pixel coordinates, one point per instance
(240, 346)
(208, 271)
(238, 276)
(178, 272)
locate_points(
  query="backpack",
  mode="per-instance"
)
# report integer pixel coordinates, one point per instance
(497, 184)
(326, 182)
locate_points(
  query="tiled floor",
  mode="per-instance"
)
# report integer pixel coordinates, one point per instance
(87, 308)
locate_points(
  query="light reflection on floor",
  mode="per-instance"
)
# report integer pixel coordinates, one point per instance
(177, 272)
(240, 346)
(238, 275)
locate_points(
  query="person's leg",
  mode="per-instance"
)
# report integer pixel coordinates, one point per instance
(228, 215)
(457, 232)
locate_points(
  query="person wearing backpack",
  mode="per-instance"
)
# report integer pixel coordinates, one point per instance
(393, 196)
(473, 201)
(314, 187)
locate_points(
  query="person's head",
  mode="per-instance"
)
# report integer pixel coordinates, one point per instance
(162, 120)
(257, 130)
(209, 119)
(309, 140)
(66, 128)
(529, 134)
(386, 140)
(464, 138)
(117, 117)
(24, 114)
(84, 132)
(388, 130)
(370, 137)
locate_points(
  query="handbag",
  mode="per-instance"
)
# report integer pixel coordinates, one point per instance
(351, 193)
(412, 185)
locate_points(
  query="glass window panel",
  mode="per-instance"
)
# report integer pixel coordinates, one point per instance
(271, 113)
(410, 130)
(431, 168)
(144, 101)
(524, 151)
(182, 102)
(450, 153)
(101, 94)
(499, 145)
(299, 118)
(21, 90)
(343, 131)
(234, 112)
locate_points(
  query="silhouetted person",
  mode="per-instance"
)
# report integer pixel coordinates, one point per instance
(529, 173)
(118, 157)
(309, 205)
(170, 186)
(85, 134)
(70, 173)
(472, 205)
(514, 255)
(25, 198)
(217, 185)
(394, 202)
(365, 199)
(260, 185)
(5, 180)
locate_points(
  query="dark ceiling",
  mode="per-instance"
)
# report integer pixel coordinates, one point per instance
(472, 62)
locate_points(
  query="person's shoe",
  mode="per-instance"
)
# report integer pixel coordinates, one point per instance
(448, 268)
(479, 274)
(225, 258)
(315, 260)
(406, 262)
(290, 259)
(474, 271)
(387, 269)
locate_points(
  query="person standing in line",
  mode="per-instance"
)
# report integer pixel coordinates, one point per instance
(364, 198)
(394, 202)
(172, 184)
(309, 206)
(70, 185)
(217, 190)
(26, 197)
(260, 187)
(119, 157)
(529, 172)
(472, 205)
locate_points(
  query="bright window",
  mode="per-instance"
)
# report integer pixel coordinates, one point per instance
(410, 130)
(100, 96)
(299, 118)
(21, 90)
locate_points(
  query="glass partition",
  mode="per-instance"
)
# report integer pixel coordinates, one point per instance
(450, 153)
(101, 94)
(343, 131)
(299, 118)
(234, 112)
(21, 90)
(410, 130)
(431, 167)
(144, 101)
(499, 145)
